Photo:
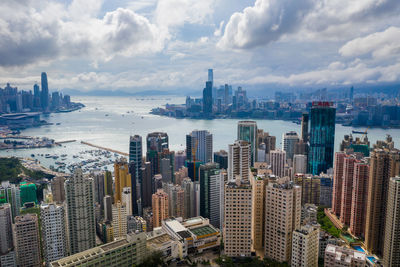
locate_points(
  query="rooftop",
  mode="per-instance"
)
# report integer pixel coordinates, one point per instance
(203, 230)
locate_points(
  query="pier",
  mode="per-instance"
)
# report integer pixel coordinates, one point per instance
(105, 148)
(64, 142)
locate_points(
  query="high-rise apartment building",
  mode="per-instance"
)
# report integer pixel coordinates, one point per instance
(119, 219)
(247, 131)
(265, 143)
(156, 142)
(199, 146)
(322, 137)
(300, 163)
(10, 193)
(289, 141)
(108, 208)
(282, 217)
(258, 184)
(391, 241)
(108, 184)
(176, 199)
(384, 164)
(189, 198)
(126, 199)
(305, 244)
(277, 160)
(54, 235)
(216, 199)
(238, 214)
(122, 178)
(79, 199)
(338, 183)
(6, 233)
(98, 178)
(239, 159)
(160, 206)
(347, 189)
(310, 188)
(136, 223)
(27, 242)
(57, 189)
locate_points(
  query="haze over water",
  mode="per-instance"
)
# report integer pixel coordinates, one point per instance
(105, 121)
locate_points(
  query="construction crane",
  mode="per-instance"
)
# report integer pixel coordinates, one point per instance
(194, 151)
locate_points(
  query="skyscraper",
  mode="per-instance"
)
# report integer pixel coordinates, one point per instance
(79, 199)
(44, 98)
(239, 160)
(135, 158)
(322, 137)
(98, 178)
(221, 157)
(108, 184)
(299, 164)
(277, 159)
(247, 131)
(207, 100)
(391, 242)
(305, 246)
(265, 143)
(384, 164)
(189, 198)
(156, 142)
(210, 76)
(258, 214)
(57, 189)
(122, 177)
(279, 225)
(6, 234)
(54, 237)
(146, 184)
(119, 219)
(27, 242)
(289, 141)
(199, 144)
(304, 127)
(207, 172)
(160, 206)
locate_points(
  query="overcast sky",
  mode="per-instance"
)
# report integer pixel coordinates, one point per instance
(169, 44)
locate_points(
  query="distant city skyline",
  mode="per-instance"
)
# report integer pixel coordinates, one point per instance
(356, 43)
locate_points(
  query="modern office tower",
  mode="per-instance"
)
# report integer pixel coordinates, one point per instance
(10, 193)
(384, 163)
(300, 163)
(216, 201)
(359, 198)
(355, 145)
(36, 96)
(342, 256)
(189, 199)
(6, 234)
(28, 193)
(199, 146)
(108, 208)
(210, 76)
(391, 242)
(206, 173)
(27, 242)
(277, 159)
(160, 207)
(280, 225)
(126, 200)
(119, 221)
(79, 198)
(258, 214)
(247, 131)
(57, 189)
(54, 237)
(147, 188)
(289, 141)
(304, 127)
(44, 97)
(166, 170)
(238, 211)
(226, 95)
(207, 100)
(108, 184)
(127, 251)
(180, 158)
(136, 200)
(122, 177)
(135, 158)
(265, 143)
(239, 159)
(305, 244)
(338, 183)
(136, 223)
(326, 188)
(98, 178)
(347, 189)
(156, 142)
(221, 157)
(310, 188)
(322, 137)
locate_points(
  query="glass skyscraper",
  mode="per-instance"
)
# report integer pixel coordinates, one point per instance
(247, 131)
(322, 137)
(207, 99)
(45, 92)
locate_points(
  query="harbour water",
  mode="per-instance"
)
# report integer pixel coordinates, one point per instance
(109, 121)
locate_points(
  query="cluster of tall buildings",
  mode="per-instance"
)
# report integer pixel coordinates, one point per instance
(14, 101)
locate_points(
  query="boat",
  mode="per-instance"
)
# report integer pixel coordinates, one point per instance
(58, 123)
(32, 155)
(359, 132)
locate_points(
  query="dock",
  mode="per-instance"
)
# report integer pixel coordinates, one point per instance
(64, 142)
(105, 148)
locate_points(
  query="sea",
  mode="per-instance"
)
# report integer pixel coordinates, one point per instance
(110, 121)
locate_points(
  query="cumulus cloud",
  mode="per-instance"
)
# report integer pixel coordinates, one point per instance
(380, 45)
(264, 22)
(45, 30)
(270, 20)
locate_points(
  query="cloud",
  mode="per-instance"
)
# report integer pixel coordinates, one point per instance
(43, 30)
(380, 45)
(270, 20)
